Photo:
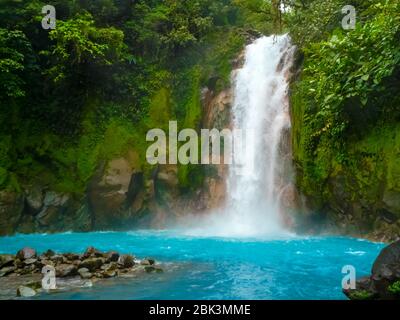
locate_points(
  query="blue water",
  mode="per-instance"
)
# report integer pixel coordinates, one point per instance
(215, 268)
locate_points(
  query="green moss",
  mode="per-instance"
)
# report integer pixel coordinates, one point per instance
(394, 288)
(361, 295)
(160, 109)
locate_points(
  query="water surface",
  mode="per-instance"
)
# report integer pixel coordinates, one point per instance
(215, 268)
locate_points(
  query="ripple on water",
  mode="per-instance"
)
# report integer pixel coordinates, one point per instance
(215, 268)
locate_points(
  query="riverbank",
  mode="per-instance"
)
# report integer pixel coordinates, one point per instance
(28, 273)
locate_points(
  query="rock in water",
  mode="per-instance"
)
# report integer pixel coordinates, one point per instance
(92, 252)
(389, 256)
(92, 264)
(385, 275)
(84, 273)
(49, 253)
(23, 291)
(147, 262)
(66, 270)
(126, 261)
(6, 260)
(7, 270)
(26, 253)
(30, 261)
(112, 256)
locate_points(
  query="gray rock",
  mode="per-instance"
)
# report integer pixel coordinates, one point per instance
(58, 259)
(24, 291)
(34, 200)
(84, 273)
(7, 270)
(49, 253)
(112, 256)
(385, 271)
(26, 253)
(6, 260)
(126, 261)
(66, 270)
(71, 256)
(109, 266)
(147, 262)
(388, 256)
(109, 274)
(92, 252)
(30, 261)
(92, 264)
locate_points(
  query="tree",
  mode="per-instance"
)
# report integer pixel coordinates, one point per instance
(14, 47)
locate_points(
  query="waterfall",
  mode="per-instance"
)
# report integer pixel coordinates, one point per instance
(261, 111)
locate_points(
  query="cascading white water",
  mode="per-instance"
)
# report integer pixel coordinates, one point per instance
(261, 111)
(260, 107)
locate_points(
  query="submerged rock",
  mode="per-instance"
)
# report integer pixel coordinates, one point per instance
(24, 291)
(147, 262)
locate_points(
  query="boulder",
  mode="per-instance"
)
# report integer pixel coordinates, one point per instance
(71, 256)
(30, 261)
(6, 260)
(6, 271)
(147, 262)
(112, 256)
(92, 252)
(24, 291)
(26, 253)
(49, 253)
(388, 256)
(84, 273)
(66, 270)
(92, 264)
(58, 259)
(126, 261)
(109, 274)
(385, 272)
(109, 266)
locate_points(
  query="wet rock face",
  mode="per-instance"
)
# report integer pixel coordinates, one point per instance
(11, 207)
(116, 192)
(384, 282)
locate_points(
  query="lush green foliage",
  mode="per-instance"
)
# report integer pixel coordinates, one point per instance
(112, 69)
(348, 89)
(394, 288)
